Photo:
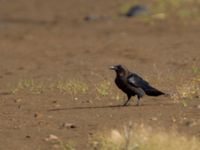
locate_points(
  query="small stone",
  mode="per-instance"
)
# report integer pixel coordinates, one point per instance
(17, 127)
(173, 119)
(51, 137)
(91, 18)
(116, 136)
(76, 98)
(88, 101)
(198, 106)
(154, 119)
(184, 118)
(68, 125)
(17, 100)
(37, 115)
(190, 123)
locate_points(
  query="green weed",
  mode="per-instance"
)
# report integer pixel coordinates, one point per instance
(29, 85)
(177, 8)
(67, 146)
(103, 88)
(71, 86)
(187, 91)
(195, 69)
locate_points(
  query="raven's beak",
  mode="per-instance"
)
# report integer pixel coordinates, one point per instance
(112, 68)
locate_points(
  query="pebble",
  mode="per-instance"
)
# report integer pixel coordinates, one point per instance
(68, 125)
(51, 137)
(154, 118)
(190, 123)
(116, 136)
(17, 100)
(37, 115)
(173, 119)
(88, 101)
(91, 18)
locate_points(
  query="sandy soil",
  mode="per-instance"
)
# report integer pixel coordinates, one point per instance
(48, 41)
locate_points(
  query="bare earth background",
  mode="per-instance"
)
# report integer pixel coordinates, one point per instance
(47, 41)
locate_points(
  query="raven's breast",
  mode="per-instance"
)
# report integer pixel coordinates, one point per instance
(123, 85)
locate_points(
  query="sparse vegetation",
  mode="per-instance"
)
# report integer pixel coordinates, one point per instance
(187, 91)
(66, 146)
(184, 92)
(29, 85)
(71, 86)
(57, 143)
(144, 138)
(195, 69)
(177, 8)
(117, 96)
(103, 88)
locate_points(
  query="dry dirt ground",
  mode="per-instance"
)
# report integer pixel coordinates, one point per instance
(49, 40)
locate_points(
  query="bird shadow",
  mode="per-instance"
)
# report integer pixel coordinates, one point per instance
(90, 107)
(110, 106)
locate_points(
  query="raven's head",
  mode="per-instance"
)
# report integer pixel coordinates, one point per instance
(120, 70)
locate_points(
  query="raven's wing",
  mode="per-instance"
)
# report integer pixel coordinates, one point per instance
(138, 82)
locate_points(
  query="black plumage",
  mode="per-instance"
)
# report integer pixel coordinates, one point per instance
(133, 85)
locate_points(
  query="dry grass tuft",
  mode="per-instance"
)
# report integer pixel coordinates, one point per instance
(71, 86)
(187, 91)
(29, 85)
(103, 88)
(144, 138)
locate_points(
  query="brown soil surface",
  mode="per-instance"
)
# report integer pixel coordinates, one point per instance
(50, 40)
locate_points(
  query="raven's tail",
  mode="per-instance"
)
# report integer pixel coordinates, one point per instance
(154, 92)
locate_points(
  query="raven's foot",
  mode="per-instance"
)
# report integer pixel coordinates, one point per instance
(138, 103)
(125, 104)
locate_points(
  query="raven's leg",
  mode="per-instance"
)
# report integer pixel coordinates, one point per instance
(129, 97)
(138, 100)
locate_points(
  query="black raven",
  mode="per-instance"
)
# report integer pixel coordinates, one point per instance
(132, 84)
